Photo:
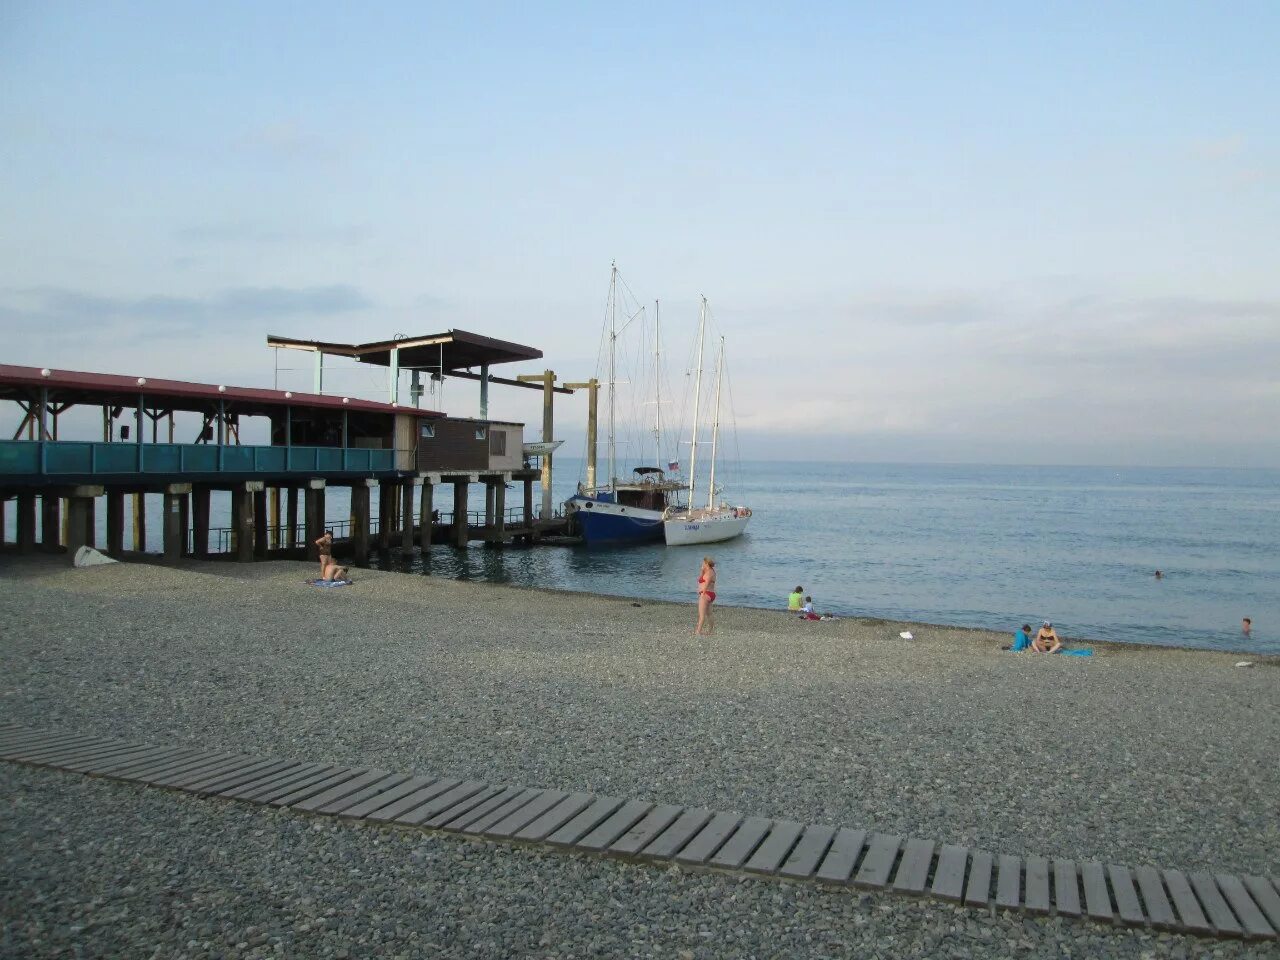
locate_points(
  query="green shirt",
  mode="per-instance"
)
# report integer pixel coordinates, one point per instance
(794, 600)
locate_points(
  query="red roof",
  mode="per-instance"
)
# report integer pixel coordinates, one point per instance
(182, 395)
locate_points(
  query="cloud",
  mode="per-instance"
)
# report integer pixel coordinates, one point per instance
(54, 309)
(237, 232)
(1220, 148)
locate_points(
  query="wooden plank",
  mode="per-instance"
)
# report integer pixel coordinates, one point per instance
(1066, 887)
(243, 775)
(29, 746)
(1190, 916)
(977, 892)
(395, 806)
(231, 781)
(274, 784)
(121, 768)
(1097, 901)
(164, 768)
(837, 866)
(499, 813)
(1009, 882)
(709, 839)
(676, 836)
(483, 810)
(526, 814)
(913, 871)
(53, 755)
(615, 825)
(443, 802)
(882, 853)
(375, 789)
(1159, 909)
(948, 879)
(646, 829)
(365, 807)
(600, 810)
(180, 780)
(488, 796)
(1266, 897)
(1251, 917)
(338, 791)
(742, 844)
(775, 848)
(343, 775)
(808, 853)
(91, 765)
(1224, 921)
(1127, 903)
(556, 817)
(1036, 896)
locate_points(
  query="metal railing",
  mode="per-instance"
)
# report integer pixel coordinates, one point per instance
(285, 537)
(97, 459)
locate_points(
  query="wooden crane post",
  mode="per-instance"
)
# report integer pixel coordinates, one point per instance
(592, 387)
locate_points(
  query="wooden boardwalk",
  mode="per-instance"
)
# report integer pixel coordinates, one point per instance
(1203, 903)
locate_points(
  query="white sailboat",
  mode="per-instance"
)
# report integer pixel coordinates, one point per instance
(714, 523)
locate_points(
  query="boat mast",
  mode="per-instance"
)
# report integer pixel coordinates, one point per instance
(657, 387)
(715, 427)
(613, 342)
(697, 400)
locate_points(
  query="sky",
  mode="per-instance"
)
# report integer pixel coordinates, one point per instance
(938, 232)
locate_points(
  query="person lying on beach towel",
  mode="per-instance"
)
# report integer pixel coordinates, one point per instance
(337, 577)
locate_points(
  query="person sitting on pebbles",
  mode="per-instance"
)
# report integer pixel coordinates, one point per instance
(794, 599)
(1047, 639)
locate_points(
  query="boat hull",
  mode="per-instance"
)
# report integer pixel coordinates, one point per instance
(602, 523)
(685, 531)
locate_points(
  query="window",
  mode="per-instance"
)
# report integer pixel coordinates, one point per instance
(498, 443)
(428, 431)
(481, 432)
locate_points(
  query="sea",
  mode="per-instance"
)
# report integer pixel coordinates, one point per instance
(964, 545)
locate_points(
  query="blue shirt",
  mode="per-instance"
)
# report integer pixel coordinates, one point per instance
(1020, 641)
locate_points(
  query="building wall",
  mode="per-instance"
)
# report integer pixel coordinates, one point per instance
(405, 440)
(454, 446)
(506, 446)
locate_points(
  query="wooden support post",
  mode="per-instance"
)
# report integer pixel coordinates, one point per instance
(273, 509)
(200, 527)
(528, 507)
(50, 521)
(424, 515)
(260, 524)
(592, 387)
(500, 510)
(548, 431)
(315, 517)
(174, 534)
(26, 522)
(115, 523)
(91, 523)
(360, 520)
(184, 522)
(4, 503)
(291, 518)
(140, 522)
(406, 515)
(460, 531)
(242, 514)
(77, 522)
(66, 521)
(386, 498)
(488, 504)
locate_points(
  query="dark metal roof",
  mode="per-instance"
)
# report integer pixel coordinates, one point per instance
(451, 350)
(97, 388)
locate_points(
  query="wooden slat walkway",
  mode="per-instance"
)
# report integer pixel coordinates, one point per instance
(1203, 903)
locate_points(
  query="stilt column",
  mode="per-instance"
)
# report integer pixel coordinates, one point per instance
(80, 516)
(115, 523)
(260, 524)
(500, 508)
(140, 522)
(425, 511)
(291, 518)
(315, 516)
(460, 531)
(386, 509)
(200, 526)
(360, 520)
(407, 498)
(26, 522)
(174, 534)
(50, 521)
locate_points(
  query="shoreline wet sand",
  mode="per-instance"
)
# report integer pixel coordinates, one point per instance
(1135, 755)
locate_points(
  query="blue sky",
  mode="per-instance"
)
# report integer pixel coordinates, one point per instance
(984, 232)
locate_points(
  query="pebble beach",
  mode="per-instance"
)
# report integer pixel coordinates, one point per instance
(1134, 755)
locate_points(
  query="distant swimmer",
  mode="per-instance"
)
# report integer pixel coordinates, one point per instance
(1159, 575)
(1246, 626)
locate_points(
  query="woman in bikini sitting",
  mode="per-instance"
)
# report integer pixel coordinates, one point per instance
(706, 597)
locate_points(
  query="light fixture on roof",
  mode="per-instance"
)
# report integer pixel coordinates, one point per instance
(142, 381)
(288, 394)
(222, 389)
(45, 372)
(346, 399)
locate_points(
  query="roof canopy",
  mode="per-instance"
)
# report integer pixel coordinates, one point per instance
(445, 352)
(179, 395)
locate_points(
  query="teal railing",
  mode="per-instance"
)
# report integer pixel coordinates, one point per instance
(55, 458)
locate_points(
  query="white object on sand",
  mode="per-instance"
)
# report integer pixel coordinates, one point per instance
(906, 635)
(89, 557)
(1245, 663)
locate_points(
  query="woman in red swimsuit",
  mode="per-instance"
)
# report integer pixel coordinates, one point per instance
(706, 597)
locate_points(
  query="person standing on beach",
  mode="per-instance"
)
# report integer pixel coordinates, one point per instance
(706, 597)
(325, 543)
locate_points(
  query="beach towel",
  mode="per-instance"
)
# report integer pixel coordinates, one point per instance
(1076, 653)
(328, 583)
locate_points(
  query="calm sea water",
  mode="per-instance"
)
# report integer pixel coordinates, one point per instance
(965, 545)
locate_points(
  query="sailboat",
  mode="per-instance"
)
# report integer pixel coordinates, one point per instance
(631, 511)
(713, 523)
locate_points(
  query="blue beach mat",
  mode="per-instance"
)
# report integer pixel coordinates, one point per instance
(328, 583)
(1076, 653)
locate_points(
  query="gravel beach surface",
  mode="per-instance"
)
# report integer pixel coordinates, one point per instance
(1135, 755)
